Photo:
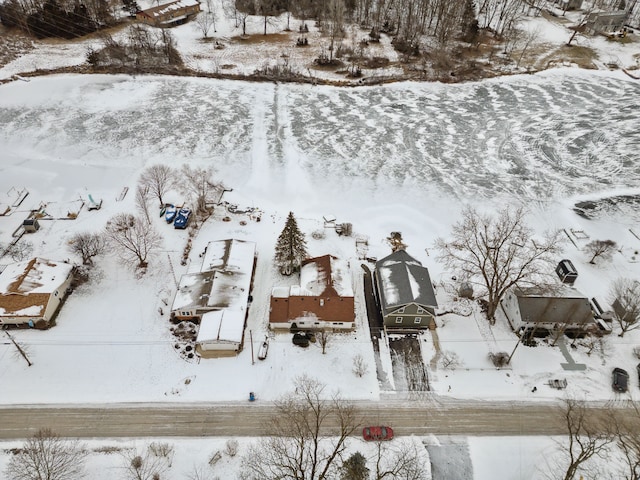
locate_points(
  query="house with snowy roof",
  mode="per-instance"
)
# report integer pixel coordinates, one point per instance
(543, 310)
(31, 292)
(169, 14)
(222, 284)
(322, 301)
(405, 292)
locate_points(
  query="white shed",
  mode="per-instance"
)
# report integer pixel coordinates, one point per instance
(221, 333)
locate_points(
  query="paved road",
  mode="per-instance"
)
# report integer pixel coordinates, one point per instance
(430, 415)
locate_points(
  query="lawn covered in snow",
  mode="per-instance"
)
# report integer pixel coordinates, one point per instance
(399, 158)
(405, 157)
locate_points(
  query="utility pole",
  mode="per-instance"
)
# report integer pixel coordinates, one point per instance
(17, 345)
(514, 349)
(251, 340)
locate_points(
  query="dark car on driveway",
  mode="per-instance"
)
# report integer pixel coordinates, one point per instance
(182, 218)
(620, 380)
(376, 434)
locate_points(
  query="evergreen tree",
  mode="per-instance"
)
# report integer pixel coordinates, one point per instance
(291, 247)
(354, 468)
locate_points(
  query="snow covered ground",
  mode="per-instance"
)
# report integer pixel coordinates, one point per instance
(404, 157)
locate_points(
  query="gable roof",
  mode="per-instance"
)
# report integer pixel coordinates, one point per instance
(324, 276)
(25, 287)
(226, 326)
(565, 305)
(403, 280)
(176, 6)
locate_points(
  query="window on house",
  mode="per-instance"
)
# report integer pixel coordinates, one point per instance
(322, 302)
(401, 310)
(420, 310)
(398, 319)
(418, 320)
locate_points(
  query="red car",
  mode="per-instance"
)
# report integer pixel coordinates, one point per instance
(376, 434)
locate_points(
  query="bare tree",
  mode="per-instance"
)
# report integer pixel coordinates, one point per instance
(201, 472)
(450, 360)
(142, 197)
(231, 447)
(242, 9)
(18, 251)
(625, 299)
(158, 179)
(309, 434)
(87, 245)
(589, 435)
(497, 252)
(600, 248)
(46, 456)
(269, 9)
(360, 367)
(199, 183)
(324, 339)
(400, 460)
(21, 350)
(205, 21)
(334, 24)
(133, 237)
(526, 40)
(143, 466)
(627, 430)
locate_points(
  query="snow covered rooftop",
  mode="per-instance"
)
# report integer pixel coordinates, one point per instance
(25, 287)
(37, 275)
(402, 280)
(324, 276)
(221, 326)
(160, 10)
(224, 279)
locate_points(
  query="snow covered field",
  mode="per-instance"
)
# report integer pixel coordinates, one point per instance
(404, 157)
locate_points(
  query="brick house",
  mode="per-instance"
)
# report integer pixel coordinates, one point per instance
(322, 301)
(169, 14)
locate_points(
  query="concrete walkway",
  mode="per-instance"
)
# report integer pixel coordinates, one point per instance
(571, 364)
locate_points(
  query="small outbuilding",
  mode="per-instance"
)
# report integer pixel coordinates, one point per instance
(567, 273)
(31, 225)
(221, 333)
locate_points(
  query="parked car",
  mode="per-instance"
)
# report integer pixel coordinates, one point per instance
(620, 380)
(182, 218)
(377, 434)
(301, 340)
(170, 213)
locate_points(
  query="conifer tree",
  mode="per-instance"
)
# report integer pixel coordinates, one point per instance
(354, 468)
(291, 247)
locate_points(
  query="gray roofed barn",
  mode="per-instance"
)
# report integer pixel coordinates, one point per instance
(405, 292)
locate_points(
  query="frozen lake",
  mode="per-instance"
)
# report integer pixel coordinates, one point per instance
(555, 135)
